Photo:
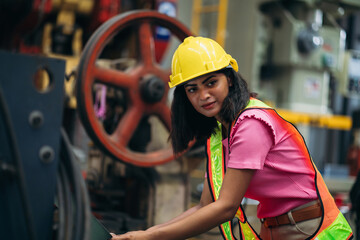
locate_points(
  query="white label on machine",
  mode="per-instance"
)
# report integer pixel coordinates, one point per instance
(312, 87)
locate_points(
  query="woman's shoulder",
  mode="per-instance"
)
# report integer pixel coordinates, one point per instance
(255, 113)
(254, 118)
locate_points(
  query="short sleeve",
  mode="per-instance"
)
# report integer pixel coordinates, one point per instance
(250, 144)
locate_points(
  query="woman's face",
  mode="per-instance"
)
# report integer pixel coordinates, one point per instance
(207, 93)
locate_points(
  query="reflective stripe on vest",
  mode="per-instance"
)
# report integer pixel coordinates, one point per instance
(216, 171)
(333, 224)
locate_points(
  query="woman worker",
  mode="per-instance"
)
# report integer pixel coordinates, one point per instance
(252, 152)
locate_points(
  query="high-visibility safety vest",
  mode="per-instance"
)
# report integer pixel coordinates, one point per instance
(333, 224)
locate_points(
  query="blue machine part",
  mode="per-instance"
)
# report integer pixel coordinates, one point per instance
(33, 137)
(167, 8)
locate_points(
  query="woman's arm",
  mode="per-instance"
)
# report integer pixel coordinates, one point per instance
(232, 192)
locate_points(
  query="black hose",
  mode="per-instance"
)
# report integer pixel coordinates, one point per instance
(61, 209)
(76, 191)
(18, 166)
(81, 210)
(64, 205)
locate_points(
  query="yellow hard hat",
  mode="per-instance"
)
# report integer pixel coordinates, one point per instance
(197, 56)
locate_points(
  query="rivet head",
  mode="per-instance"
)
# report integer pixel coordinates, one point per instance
(36, 119)
(46, 154)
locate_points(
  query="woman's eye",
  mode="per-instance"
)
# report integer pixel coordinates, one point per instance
(191, 90)
(211, 83)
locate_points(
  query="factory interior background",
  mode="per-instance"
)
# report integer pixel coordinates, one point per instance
(85, 104)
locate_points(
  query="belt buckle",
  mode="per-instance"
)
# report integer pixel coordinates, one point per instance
(263, 221)
(266, 224)
(291, 218)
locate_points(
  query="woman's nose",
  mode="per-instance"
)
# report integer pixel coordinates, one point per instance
(204, 94)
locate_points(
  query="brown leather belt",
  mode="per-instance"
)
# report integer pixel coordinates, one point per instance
(307, 213)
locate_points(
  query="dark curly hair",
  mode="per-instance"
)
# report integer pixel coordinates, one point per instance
(188, 124)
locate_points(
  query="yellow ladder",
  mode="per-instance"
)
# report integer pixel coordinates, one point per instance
(221, 8)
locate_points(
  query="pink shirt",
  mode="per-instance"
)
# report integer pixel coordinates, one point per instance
(282, 180)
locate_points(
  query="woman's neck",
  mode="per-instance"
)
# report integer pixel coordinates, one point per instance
(223, 123)
(225, 126)
(225, 129)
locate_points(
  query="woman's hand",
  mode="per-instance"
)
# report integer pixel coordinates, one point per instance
(136, 235)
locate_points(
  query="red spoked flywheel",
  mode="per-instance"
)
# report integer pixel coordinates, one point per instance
(146, 84)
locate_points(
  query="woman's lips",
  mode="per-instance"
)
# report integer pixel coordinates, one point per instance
(208, 105)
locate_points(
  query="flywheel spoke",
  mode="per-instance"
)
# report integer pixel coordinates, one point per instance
(146, 40)
(112, 77)
(127, 126)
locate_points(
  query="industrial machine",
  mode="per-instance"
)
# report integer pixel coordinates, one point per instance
(304, 56)
(132, 127)
(307, 49)
(85, 133)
